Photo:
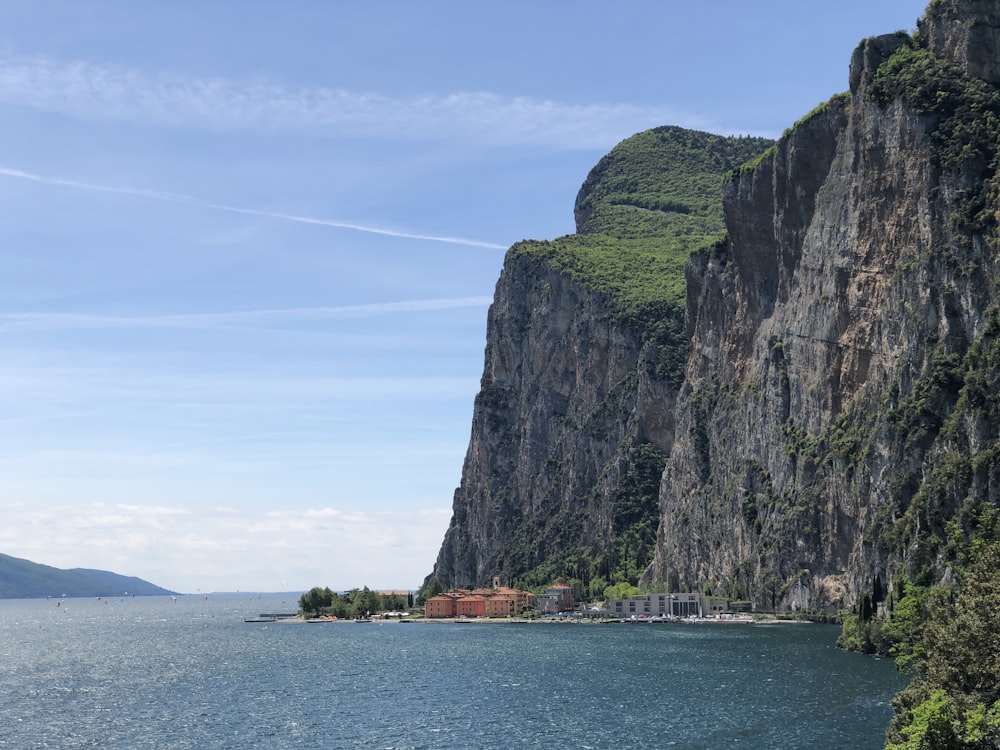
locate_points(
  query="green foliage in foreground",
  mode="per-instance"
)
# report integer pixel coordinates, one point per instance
(898, 634)
(351, 605)
(954, 701)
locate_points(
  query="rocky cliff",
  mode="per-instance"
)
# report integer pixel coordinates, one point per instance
(833, 430)
(564, 409)
(585, 353)
(827, 411)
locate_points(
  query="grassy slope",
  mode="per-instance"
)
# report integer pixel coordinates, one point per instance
(644, 209)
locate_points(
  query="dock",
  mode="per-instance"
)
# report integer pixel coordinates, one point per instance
(272, 617)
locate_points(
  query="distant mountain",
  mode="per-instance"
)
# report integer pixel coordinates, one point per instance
(23, 579)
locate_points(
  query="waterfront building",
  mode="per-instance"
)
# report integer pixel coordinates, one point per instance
(442, 605)
(501, 601)
(667, 605)
(472, 605)
(500, 606)
(556, 598)
(524, 601)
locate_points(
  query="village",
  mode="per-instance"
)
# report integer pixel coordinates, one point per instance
(564, 599)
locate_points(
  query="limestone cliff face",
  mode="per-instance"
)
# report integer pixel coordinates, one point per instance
(824, 340)
(584, 357)
(566, 396)
(839, 418)
(967, 32)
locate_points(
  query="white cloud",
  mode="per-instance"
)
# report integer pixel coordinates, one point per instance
(102, 92)
(226, 549)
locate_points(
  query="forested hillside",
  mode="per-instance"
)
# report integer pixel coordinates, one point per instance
(23, 579)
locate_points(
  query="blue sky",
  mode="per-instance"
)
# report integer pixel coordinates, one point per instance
(247, 251)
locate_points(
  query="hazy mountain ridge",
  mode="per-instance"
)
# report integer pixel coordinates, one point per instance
(23, 579)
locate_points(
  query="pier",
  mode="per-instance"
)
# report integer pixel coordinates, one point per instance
(272, 617)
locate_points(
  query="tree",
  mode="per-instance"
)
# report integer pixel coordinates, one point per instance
(904, 629)
(954, 702)
(931, 726)
(315, 600)
(620, 591)
(433, 588)
(364, 602)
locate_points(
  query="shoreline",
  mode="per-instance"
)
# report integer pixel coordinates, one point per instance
(754, 620)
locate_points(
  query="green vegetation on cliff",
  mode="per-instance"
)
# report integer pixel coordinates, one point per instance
(643, 281)
(967, 110)
(941, 616)
(644, 209)
(634, 506)
(949, 415)
(664, 182)
(965, 121)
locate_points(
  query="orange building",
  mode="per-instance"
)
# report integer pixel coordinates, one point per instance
(472, 605)
(442, 605)
(482, 602)
(500, 605)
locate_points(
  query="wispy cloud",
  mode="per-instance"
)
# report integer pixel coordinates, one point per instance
(107, 92)
(191, 200)
(218, 388)
(240, 318)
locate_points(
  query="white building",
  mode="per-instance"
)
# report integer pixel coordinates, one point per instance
(667, 605)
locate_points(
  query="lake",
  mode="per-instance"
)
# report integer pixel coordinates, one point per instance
(150, 672)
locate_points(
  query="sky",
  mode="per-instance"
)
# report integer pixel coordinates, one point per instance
(247, 251)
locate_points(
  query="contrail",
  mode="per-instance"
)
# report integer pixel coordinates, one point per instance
(192, 201)
(47, 321)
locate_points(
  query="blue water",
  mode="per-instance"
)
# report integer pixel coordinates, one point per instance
(152, 673)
